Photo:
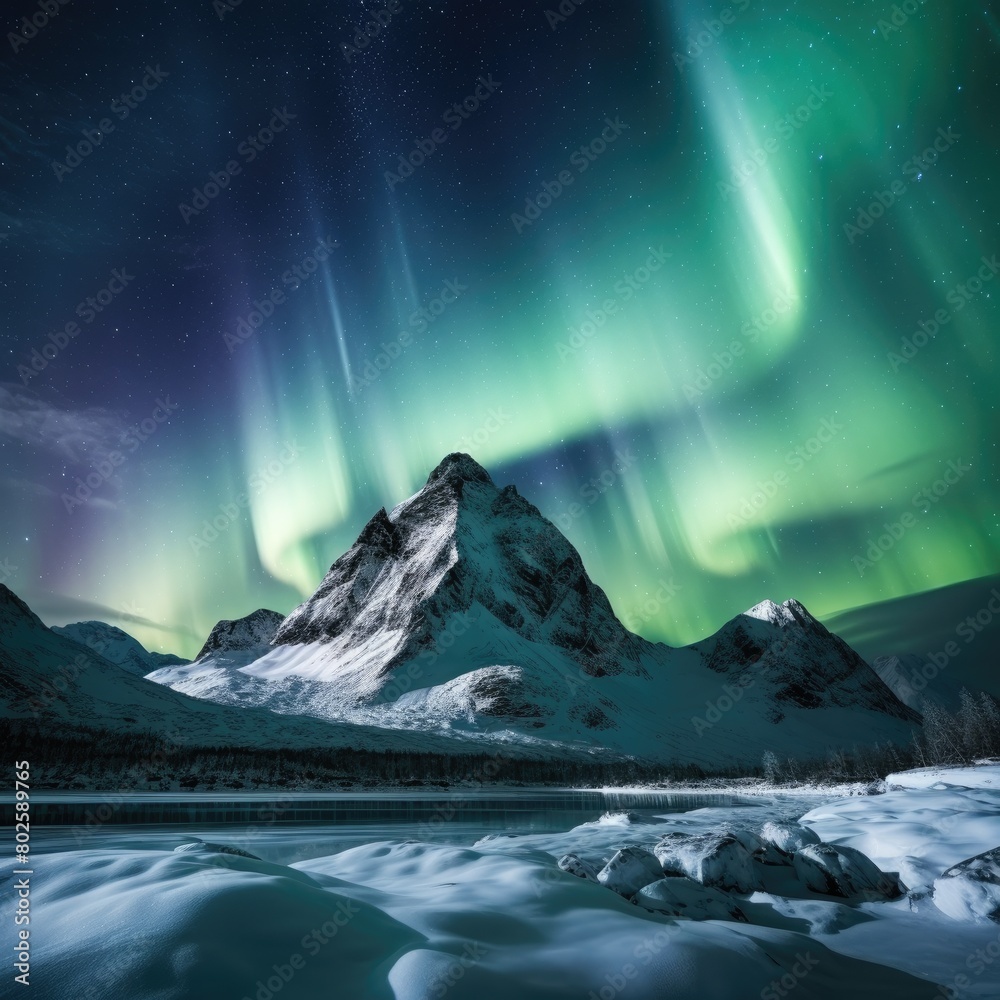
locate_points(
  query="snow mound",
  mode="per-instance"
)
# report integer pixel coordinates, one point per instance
(981, 776)
(844, 871)
(683, 897)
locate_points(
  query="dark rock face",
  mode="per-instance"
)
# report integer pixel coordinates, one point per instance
(256, 629)
(458, 543)
(805, 663)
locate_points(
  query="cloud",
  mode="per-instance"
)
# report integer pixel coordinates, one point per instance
(79, 436)
(51, 606)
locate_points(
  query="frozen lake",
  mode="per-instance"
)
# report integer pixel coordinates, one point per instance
(289, 827)
(414, 895)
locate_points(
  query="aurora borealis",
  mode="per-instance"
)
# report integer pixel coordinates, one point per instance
(713, 284)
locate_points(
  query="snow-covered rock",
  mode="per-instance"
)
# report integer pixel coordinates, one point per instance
(787, 838)
(711, 859)
(678, 896)
(629, 870)
(968, 897)
(844, 871)
(755, 845)
(970, 890)
(577, 866)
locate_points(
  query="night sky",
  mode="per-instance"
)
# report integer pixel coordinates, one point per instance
(668, 278)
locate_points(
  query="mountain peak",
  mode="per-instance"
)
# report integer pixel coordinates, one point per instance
(780, 614)
(254, 629)
(460, 466)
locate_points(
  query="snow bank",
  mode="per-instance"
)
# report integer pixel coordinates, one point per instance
(979, 776)
(398, 921)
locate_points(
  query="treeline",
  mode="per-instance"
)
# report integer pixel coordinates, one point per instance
(946, 738)
(88, 759)
(972, 733)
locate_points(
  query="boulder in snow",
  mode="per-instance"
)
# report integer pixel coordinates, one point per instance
(683, 897)
(970, 890)
(787, 838)
(844, 871)
(712, 859)
(578, 867)
(759, 849)
(629, 870)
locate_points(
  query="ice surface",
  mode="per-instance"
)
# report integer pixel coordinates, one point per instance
(415, 921)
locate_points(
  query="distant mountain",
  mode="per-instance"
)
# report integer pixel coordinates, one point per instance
(464, 610)
(57, 682)
(907, 639)
(252, 632)
(803, 664)
(118, 647)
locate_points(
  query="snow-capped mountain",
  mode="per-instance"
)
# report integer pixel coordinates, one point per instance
(118, 647)
(803, 663)
(61, 684)
(252, 632)
(464, 610)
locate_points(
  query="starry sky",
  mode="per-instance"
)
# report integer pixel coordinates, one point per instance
(715, 285)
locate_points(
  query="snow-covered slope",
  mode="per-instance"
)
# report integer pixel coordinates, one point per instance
(464, 610)
(803, 664)
(57, 682)
(117, 646)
